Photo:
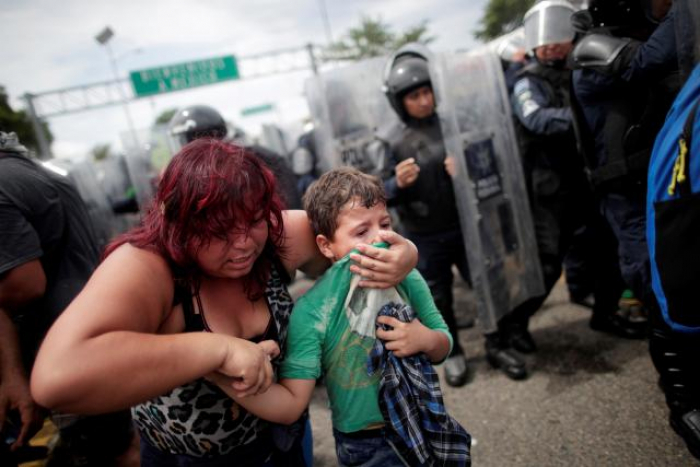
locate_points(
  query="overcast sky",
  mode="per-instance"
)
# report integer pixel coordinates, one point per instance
(49, 45)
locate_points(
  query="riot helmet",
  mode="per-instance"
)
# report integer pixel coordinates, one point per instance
(405, 71)
(510, 47)
(197, 121)
(622, 18)
(548, 22)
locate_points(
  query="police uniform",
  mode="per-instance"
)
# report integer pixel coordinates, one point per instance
(560, 198)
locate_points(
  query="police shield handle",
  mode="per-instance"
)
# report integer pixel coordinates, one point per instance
(407, 173)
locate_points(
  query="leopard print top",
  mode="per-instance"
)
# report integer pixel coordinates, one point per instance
(198, 419)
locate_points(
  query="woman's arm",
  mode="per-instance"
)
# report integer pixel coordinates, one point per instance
(380, 268)
(103, 353)
(283, 402)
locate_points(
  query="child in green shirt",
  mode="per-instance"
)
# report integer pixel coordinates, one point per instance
(333, 327)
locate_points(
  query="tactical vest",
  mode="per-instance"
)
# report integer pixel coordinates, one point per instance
(634, 116)
(429, 204)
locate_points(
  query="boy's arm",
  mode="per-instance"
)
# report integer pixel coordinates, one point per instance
(283, 402)
(406, 339)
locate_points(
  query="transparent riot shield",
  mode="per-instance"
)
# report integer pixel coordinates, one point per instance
(84, 177)
(492, 201)
(347, 106)
(113, 176)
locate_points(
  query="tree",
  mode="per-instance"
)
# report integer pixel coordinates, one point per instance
(165, 116)
(18, 122)
(374, 38)
(101, 151)
(502, 17)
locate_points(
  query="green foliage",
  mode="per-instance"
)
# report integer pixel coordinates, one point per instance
(374, 38)
(501, 17)
(101, 151)
(165, 116)
(19, 122)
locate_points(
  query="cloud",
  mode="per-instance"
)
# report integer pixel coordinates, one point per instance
(50, 45)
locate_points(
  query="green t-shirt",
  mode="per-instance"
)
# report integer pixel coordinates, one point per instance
(331, 332)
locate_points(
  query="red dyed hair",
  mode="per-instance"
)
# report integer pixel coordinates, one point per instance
(210, 189)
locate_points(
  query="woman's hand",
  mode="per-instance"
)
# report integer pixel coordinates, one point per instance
(381, 268)
(247, 366)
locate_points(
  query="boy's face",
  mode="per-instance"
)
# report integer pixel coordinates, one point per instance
(356, 224)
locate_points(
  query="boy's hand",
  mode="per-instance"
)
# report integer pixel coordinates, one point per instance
(381, 268)
(405, 339)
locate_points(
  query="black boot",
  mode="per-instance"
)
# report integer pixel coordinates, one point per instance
(520, 339)
(456, 370)
(675, 357)
(687, 425)
(503, 358)
(617, 326)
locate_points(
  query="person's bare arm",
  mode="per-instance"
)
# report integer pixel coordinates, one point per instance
(301, 251)
(104, 353)
(19, 287)
(283, 402)
(14, 385)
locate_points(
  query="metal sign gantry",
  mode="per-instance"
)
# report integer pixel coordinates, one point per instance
(74, 99)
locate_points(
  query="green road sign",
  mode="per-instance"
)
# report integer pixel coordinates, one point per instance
(257, 109)
(180, 76)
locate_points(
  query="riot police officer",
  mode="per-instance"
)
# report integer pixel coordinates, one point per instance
(201, 121)
(560, 198)
(303, 160)
(418, 184)
(626, 83)
(624, 87)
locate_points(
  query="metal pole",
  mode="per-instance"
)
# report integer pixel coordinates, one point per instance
(44, 146)
(326, 22)
(130, 122)
(312, 58)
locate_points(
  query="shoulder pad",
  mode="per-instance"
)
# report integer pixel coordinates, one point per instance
(599, 51)
(390, 132)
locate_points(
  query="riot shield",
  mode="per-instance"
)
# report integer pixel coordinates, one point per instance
(83, 176)
(347, 105)
(492, 200)
(113, 176)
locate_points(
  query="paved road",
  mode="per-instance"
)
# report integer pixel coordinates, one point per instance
(591, 400)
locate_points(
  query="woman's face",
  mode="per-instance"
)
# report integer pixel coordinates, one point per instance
(234, 257)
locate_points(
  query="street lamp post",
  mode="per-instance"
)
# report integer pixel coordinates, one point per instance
(103, 38)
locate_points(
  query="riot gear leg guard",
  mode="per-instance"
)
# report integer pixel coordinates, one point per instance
(675, 357)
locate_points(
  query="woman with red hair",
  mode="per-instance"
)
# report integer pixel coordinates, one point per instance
(213, 254)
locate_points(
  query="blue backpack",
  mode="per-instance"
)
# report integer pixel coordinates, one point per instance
(673, 211)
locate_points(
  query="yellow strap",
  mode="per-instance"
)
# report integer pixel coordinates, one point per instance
(682, 153)
(678, 167)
